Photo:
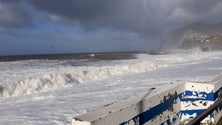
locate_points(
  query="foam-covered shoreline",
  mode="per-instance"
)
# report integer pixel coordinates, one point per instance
(44, 78)
(99, 84)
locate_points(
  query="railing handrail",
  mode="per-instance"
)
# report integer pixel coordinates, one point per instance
(205, 113)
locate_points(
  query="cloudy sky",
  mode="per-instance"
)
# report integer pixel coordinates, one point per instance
(69, 26)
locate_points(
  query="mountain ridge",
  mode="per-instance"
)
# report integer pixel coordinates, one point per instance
(176, 39)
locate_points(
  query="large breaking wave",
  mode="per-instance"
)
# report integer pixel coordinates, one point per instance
(69, 76)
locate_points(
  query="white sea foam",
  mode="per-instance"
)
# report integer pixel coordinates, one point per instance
(65, 77)
(40, 92)
(26, 77)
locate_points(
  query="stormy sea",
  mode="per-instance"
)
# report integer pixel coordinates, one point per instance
(52, 89)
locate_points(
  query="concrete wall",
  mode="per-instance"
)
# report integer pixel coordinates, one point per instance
(175, 104)
(198, 97)
(217, 94)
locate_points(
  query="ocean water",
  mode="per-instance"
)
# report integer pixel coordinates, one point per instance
(23, 74)
(51, 89)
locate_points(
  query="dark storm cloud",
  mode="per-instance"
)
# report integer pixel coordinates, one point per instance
(13, 14)
(197, 6)
(129, 15)
(190, 11)
(149, 18)
(142, 16)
